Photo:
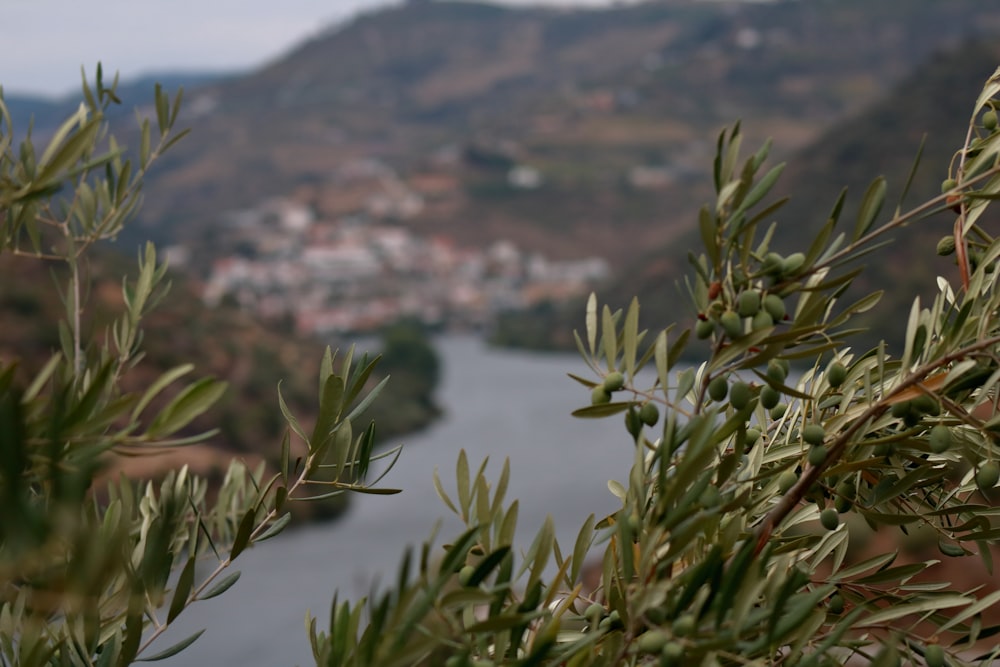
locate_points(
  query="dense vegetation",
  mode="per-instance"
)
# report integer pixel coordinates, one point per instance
(749, 484)
(737, 539)
(86, 555)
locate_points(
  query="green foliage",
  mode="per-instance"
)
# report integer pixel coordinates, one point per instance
(92, 572)
(409, 358)
(406, 351)
(732, 545)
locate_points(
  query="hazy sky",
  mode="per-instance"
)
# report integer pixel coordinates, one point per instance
(43, 43)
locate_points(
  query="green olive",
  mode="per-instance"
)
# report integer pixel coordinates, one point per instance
(816, 455)
(948, 184)
(614, 381)
(740, 395)
(718, 388)
(731, 323)
(836, 604)
(778, 411)
(793, 263)
(740, 279)
(465, 574)
(710, 497)
(594, 612)
(814, 434)
(761, 320)
(776, 370)
(933, 653)
(600, 395)
(748, 303)
(786, 480)
(951, 549)
(704, 328)
(901, 409)
(684, 625)
(649, 414)
(990, 120)
(836, 374)
(829, 518)
(671, 654)
(652, 641)
(774, 263)
(939, 439)
(847, 489)
(987, 476)
(633, 423)
(927, 405)
(769, 397)
(946, 245)
(775, 307)
(753, 435)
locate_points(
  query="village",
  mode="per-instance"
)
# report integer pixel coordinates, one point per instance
(342, 259)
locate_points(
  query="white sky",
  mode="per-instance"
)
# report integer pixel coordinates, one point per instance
(43, 43)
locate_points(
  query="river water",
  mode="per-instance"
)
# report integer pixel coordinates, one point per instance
(498, 404)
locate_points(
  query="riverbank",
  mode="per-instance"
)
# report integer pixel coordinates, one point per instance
(500, 404)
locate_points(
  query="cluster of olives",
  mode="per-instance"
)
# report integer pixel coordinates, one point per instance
(667, 642)
(639, 414)
(814, 436)
(912, 411)
(646, 414)
(946, 245)
(761, 311)
(752, 308)
(939, 440)
(845, 494)
(740, 393)
(601, 393)
(600, 619)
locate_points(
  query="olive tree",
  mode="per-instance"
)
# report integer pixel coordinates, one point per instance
(93, 573)
(753, 469)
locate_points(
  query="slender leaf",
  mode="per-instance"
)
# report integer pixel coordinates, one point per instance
(173, 650)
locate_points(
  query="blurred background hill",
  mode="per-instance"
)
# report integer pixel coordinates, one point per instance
(476, 166)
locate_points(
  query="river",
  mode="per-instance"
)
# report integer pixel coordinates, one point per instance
(498, 404)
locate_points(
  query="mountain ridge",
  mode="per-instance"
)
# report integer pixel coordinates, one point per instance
(884, 140)
(587, 96)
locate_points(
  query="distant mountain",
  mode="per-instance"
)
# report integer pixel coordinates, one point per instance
(617, 108)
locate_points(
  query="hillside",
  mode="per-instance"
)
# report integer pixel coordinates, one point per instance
(615, 108)
(570, 132)
(884, 140)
